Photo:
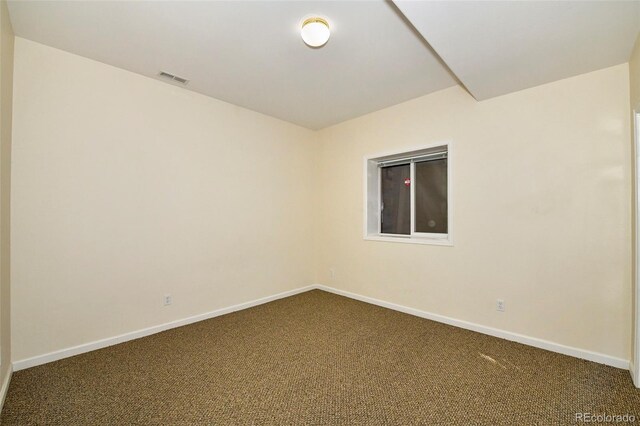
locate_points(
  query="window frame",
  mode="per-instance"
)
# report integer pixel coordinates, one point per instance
(373, 198)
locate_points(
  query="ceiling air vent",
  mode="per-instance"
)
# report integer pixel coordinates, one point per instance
(172, 77)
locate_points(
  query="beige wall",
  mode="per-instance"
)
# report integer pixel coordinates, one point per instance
(634, 75)
(634, 85)
(542, 219)
(126, 188)
(6, 99)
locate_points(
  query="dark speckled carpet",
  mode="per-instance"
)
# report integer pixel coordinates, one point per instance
(317, 358)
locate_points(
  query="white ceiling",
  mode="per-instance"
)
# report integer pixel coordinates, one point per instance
(250, 53)
(496, 48)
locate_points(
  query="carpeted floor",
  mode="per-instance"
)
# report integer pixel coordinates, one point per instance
(317, 358)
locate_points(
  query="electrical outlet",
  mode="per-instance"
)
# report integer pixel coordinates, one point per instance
(332, 274)
(168, 299)
(500, 305)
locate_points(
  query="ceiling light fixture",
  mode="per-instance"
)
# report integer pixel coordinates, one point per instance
(315, 32)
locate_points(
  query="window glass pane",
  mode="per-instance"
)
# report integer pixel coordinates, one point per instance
(431, 196)
(396, 199)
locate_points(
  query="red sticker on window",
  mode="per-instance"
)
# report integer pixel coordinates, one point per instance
(407, 182)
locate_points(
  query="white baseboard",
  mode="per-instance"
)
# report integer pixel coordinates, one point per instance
(515, 337)
(110, 341)
(5, 387)
(634, 377)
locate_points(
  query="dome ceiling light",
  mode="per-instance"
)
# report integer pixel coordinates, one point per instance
(315, 32)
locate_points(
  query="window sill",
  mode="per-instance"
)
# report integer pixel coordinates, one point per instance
(411, 240)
